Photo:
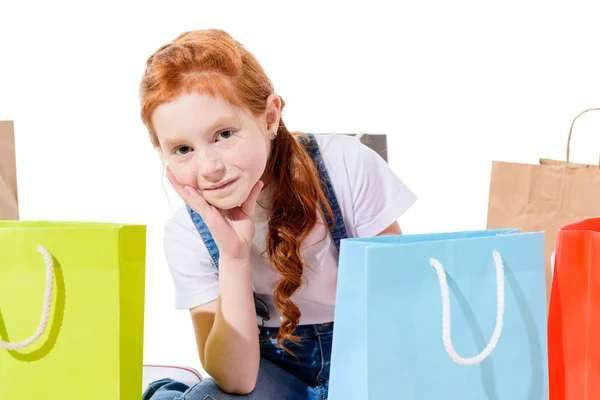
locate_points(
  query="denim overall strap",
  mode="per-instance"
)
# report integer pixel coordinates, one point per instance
(338, 232)
(262, 310)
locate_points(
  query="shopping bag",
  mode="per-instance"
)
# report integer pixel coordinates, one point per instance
(543, 197)
(8, 174)
(573, 327)
(71, 310)
(441, 316)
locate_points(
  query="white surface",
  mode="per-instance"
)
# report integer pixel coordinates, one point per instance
(455, 85)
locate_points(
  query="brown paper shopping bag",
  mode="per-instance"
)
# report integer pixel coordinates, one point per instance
(543, 197)
(8, 176)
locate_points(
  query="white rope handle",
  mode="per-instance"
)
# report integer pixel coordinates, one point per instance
(46, 307)
(446, 313)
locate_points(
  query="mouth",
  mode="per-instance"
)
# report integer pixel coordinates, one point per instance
(221, 186)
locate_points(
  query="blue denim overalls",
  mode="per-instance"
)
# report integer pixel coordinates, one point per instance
(281, 375)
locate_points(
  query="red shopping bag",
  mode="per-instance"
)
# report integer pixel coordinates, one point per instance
(574, 319)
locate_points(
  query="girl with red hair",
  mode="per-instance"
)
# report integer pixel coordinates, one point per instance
(253, 252)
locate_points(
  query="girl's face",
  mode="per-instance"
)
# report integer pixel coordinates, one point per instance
(215, 147)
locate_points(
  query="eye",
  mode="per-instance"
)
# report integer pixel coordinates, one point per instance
(183, 150)
(223, 135)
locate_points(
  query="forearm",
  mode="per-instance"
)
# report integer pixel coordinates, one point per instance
(232, 352)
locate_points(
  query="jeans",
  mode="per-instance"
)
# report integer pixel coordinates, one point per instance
(281, 376)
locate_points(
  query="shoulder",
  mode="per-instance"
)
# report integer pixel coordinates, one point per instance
(340, 154)
(372, 196)
(345, 156)
(338, 147)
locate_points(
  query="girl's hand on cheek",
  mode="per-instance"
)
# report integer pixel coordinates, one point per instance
(232, 230)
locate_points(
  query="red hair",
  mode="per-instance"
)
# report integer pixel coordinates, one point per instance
(212, 62)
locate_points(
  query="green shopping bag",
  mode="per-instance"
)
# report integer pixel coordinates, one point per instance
(71, 310)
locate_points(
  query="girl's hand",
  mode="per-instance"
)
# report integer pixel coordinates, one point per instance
(232, 230)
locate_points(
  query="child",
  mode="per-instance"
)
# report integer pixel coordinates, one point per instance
(253, 253)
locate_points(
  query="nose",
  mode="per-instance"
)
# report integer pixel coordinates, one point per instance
(211, 167)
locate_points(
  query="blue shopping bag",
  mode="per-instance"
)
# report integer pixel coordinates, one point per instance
(441, 316)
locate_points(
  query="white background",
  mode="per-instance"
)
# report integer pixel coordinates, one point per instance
(455, 85)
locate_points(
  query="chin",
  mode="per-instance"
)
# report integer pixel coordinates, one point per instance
(227, 202)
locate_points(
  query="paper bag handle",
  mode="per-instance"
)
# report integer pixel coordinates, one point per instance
(447, 339)
(571, 131)
(46, 307)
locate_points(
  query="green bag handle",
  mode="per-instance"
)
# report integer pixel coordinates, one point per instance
(46, 307)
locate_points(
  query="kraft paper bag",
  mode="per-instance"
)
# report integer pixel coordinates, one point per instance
(71, 310)
(543, 197)
(8, 176)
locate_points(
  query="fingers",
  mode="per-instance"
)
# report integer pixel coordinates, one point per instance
(227, 214)
(190, 195)
(250, 203)
(174, 182)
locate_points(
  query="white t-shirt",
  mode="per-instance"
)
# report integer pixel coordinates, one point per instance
(371, 198)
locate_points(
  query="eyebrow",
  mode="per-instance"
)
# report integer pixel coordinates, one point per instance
(223, 121)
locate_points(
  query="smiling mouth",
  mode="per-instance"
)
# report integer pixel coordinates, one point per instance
(221, 185)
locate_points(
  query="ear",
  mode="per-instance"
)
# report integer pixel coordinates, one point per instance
(273, 114)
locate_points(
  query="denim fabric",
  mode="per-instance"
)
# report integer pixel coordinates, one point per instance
(337, 233)
(205, 234)
(304, 376)
(312, 355)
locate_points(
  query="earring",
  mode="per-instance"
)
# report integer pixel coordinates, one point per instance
(274, 135)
